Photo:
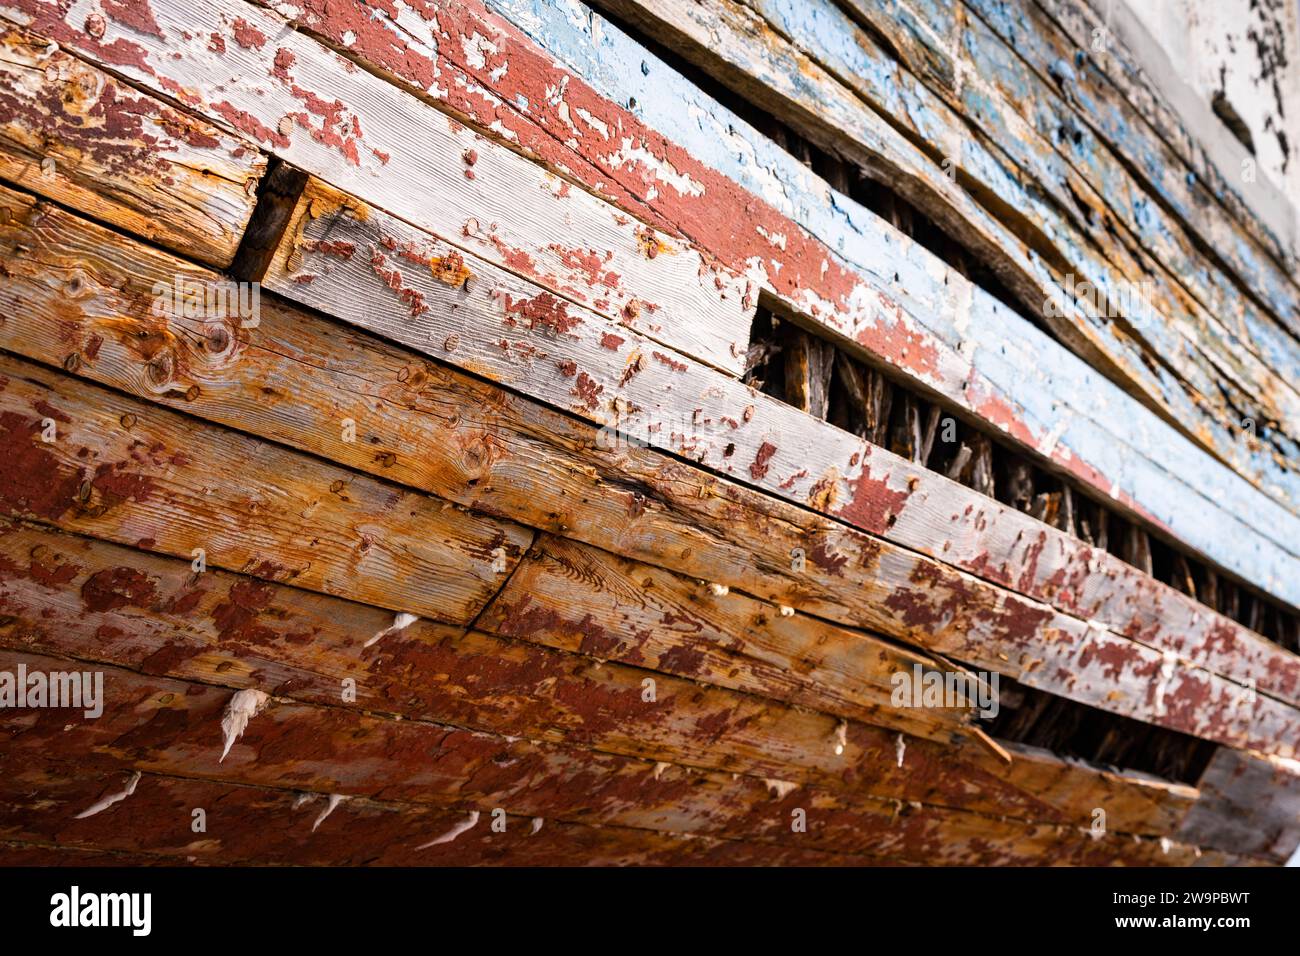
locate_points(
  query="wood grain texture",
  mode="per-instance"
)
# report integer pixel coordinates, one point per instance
(137, 474)
(1036, 157)
(171, 727)
(737, 47)
(874, 290)
(307, 105)
(750, 717)
(1034, 416)
(1257, 205)
(72, 596)
(1045, 87)
(712, 422)
(74, 134)
(482, 448)
(68, 595)
(260, 826)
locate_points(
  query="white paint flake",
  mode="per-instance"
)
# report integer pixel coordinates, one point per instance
(242, 707)
(400, 623)
(334, 801)
(780, 788)
(454, 832)
(103, 803)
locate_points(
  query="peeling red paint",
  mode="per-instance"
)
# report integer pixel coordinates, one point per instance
(544, 310)
(134, 14)
(874, 506)
(758, 470)
(250, 125)
(246, 35)
(111, 589)
(587, 390)
(670, 362)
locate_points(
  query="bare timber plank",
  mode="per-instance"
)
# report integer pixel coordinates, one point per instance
(141, 475)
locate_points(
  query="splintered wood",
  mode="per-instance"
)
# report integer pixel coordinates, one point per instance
(464, 434)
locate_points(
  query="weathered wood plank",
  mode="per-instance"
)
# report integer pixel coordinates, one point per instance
(172, 727)
(738, 47)
(1061, 449)
(314, 109)
(672, 404)
(931, 324)
(1256, 203)
(1084, 97)
(69, 596)
(534, 604)
(1013, 63)
(266, 826)
(137, 474)
(75, 135)
(1128, 798)
(1248, 802)
(73, 596)
(834, 560)
(573, 597)
(1191, 315)
(483, 448)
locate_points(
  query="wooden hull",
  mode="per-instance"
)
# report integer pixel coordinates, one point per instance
(463, 434)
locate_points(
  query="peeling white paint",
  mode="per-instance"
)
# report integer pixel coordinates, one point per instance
(660, 169)
(454, 832)
(334, 800)
(105, 802)
(400, 623)
(242, 707)
(780, 788)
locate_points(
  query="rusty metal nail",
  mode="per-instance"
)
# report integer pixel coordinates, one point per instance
(72, 362)
(128, 420)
